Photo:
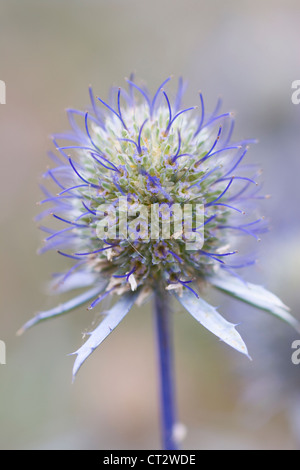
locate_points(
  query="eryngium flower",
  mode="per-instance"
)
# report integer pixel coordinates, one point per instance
(151, 151)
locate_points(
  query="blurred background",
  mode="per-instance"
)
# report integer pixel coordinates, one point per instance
(50, 51)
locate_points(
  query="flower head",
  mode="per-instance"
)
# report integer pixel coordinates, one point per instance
(137, 181)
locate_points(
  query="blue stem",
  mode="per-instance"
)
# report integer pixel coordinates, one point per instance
(165, 359)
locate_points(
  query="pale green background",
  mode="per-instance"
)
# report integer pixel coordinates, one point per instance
(50, 51)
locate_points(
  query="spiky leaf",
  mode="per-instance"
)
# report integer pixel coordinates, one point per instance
(76, 281)
(209, 317)
(111, 320)
(62, 308)
(255, 295)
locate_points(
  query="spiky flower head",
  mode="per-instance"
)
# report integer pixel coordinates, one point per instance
(147, 157)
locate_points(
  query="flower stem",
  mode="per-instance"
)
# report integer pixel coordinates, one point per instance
(165, 359)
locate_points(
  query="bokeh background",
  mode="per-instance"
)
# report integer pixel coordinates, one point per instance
(50, 51)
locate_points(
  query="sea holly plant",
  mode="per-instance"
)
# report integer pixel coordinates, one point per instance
(151, 202)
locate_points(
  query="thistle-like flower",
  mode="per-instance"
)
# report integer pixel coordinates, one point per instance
(139, 180)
